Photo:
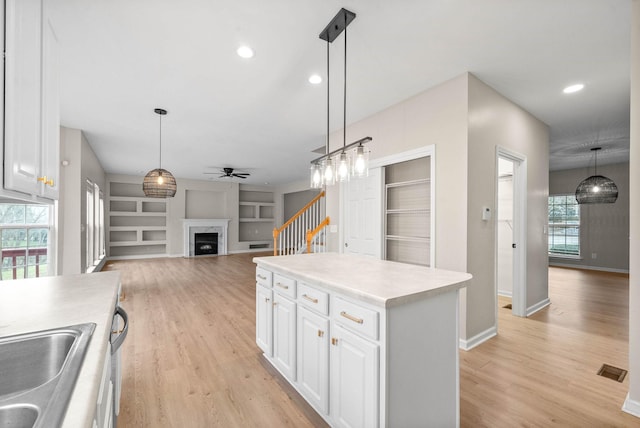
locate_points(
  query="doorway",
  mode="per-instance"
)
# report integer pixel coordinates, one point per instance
(510, 226)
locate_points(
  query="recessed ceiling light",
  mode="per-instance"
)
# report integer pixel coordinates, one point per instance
(573, 88)
(245, 52)
(315, 79)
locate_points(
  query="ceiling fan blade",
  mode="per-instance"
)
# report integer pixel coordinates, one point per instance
(242, 173)
(238, 175)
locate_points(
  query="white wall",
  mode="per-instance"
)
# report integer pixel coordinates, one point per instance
(632, 403)
(604, 228)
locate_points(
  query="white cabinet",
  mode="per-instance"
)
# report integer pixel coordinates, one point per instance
(313, 358)
(104, 404)
(31, 103)
(264, 319)
(358, 363)
(354, 379)
(284, 335)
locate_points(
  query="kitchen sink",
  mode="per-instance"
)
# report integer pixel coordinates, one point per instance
(18, 416)
(38, 372)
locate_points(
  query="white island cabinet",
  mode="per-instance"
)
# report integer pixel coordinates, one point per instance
(374, 343)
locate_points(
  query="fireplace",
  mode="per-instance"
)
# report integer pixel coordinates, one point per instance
(207, 228)
(205, 243)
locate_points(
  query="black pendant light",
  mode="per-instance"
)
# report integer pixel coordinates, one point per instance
(597, 189)
(159, 183)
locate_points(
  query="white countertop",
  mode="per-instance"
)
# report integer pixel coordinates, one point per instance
(378, 282)
(59, 301)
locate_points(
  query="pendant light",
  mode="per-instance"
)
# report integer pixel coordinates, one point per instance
(340, 164)
(159, 183)
(597, 189)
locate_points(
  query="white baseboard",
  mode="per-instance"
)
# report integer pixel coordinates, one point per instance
(603, 269)
(631, 406)
(478, 339)
(505, 293)
(538, 306)
(140, 256)
(252, 250)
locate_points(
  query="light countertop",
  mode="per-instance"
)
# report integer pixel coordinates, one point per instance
(60, 301)
(378, 282)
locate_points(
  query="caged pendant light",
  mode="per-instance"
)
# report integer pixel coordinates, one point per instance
(341, 164)
(159, 183)
(597, 189)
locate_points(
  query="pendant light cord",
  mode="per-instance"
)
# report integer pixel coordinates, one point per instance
(344, 101)
(160, 140)
(327, 145)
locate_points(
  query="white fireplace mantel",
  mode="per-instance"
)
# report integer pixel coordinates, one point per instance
(205, 225)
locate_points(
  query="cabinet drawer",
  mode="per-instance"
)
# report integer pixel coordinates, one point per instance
(264, 277)
(356, 317)
(284, 285)
(314, 299)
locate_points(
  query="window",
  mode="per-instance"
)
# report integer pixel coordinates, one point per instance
(95, 233)
(564, 226)
(24, 230)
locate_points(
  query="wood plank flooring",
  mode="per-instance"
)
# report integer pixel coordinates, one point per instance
(191, 361)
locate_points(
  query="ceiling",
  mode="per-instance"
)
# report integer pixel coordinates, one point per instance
(120, 59)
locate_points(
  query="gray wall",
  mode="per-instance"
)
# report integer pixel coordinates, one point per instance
(82, 165)
(465, 120)
(293, 202)
(604, 228)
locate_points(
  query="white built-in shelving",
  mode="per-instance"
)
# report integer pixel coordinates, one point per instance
(257, 218)
(408, 212)
(137, 224)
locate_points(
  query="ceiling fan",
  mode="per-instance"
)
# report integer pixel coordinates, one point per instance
(228, 173)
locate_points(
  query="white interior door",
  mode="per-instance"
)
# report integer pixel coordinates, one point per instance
(517, 260)
(362, 215)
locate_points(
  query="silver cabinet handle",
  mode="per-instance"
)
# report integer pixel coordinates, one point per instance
(117, 342)
(261, 277)
(286, 287)
(311, 299)
(351, 317)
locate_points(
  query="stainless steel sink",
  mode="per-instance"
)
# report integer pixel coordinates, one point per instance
(38, 371)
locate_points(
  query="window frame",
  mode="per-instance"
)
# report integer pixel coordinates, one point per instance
(565, 223)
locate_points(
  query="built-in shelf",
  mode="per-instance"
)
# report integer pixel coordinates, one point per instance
(257, 217)
(137, 224)
(408, 212)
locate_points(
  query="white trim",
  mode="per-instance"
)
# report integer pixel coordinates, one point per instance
(252, 250)
(519, 293)
(631, 406)
(478, 339)
(598, 268)
(538, 306)
(505, 293)
(138, 256)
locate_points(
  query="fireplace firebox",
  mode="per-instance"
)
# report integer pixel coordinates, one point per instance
(206, 243)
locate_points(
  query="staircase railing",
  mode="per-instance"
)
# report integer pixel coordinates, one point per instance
(291, 237)
(311, 234)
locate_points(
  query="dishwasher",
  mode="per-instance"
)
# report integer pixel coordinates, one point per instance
(119, 329)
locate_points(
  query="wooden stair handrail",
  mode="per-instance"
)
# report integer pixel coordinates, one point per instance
(314, 232)
(277, 231)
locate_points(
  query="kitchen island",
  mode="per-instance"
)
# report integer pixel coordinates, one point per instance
(50, 302)
(366, 342)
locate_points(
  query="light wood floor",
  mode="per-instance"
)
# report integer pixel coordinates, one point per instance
(191, 361)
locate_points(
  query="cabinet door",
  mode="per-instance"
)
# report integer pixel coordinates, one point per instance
(354, 380)
(313, 358)
(22, 142)
(284, 335)
(50, 161)
(264, 319)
